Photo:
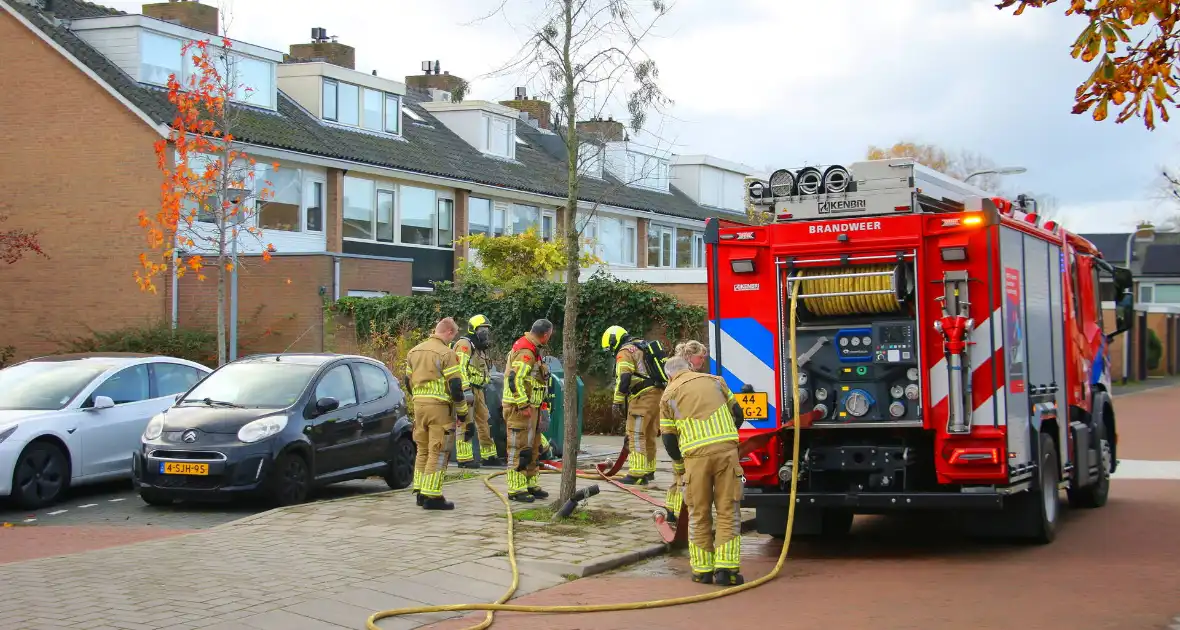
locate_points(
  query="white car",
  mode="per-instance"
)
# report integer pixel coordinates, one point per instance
(74, 419)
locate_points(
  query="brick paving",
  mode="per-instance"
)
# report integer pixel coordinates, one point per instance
(319, 565)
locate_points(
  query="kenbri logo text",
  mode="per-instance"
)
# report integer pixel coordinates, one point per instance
(860, 226)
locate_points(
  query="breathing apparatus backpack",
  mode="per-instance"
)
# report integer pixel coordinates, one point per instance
(654, 358)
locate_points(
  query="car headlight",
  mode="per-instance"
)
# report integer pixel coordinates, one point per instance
(262, 429)
(155, 427)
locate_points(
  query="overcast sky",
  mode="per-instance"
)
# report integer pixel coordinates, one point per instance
(785, 83)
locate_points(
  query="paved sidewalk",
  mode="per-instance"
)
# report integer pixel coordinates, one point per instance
(325, 565)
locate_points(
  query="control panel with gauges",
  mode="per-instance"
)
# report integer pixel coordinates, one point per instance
(855, 375)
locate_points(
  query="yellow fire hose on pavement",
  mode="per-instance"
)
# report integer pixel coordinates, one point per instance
(500, 604)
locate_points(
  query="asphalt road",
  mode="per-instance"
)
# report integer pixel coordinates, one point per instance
(1115, 568)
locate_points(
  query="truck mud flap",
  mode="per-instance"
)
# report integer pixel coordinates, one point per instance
(878, 501)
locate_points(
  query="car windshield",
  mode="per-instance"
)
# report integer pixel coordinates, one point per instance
(270, 385)
(46, 385)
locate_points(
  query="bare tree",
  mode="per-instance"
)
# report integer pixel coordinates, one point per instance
(588, 54)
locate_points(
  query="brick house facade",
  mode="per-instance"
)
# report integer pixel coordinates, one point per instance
(82, 167)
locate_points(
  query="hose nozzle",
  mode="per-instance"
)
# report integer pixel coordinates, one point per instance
(580, 495)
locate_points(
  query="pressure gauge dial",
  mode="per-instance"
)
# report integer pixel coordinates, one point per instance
(912, 374)
(855, 341)
(868, 341)
(857, 404)
(897, 391)
(843, 341)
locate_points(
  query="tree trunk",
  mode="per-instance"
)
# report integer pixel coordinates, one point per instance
(569, 330)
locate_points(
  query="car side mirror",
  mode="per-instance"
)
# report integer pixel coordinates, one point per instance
(103, 402)
(326, 405)
(1124, 309)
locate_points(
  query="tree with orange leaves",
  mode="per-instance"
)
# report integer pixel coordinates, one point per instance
(210, 195)
(1135, 72)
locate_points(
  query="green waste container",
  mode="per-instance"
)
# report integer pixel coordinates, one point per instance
(556, 432)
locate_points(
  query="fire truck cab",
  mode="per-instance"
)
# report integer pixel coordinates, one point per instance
(952, 342)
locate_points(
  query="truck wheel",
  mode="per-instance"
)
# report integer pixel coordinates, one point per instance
(1095, 494)
(1036, 511)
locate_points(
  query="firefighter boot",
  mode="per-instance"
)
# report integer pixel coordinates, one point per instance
(469, 464)
(538, 493)
(437, 503)
(418, 498)
(630, 480)
(728, 577)
(702, 578)
(523, 496)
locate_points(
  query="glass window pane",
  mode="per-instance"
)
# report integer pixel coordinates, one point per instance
(337, 383)
(373, 118)
(393, 113)
(1167, 294)
(547, 227)
(315, 207)
(698, 240)
(683, 249)
(349, 102)
(498, 222)
(160, 57)
(330, 100)
(629, 244)
(358, 208)
(125, 386)
(479, 216)
(280, 210)
(418, 208)
(253, 81)
(653, 246)
(666, 248)
(523, 218)
(172, 378)
(373, 381)
(498, 136)
(446, 231)
(385, 216)
(1145, 293)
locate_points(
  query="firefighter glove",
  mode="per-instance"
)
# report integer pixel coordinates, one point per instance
(526, 458)
(739, 415)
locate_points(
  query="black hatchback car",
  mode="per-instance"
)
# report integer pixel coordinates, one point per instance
(278, 425)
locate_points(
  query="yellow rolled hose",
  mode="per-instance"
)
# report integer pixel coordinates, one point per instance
(876, 303)
(500, 605)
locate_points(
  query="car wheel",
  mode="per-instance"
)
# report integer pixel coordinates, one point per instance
(400, 472)
(152, 497)
(292, 480)
(42, 474)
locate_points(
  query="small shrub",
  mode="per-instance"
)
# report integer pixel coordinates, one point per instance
(6, 354)
(596, 414)
(391, 348)
(1155, 350)
(193, 344)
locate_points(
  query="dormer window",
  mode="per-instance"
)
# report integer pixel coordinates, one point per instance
(500, 132)
(252, 79)
(590, 160)
(647, 171)
(350, 104)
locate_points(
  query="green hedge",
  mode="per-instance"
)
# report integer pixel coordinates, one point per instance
(604, 301)
(1155, 350)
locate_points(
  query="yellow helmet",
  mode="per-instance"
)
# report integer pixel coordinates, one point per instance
(613, 337)
(475, 322)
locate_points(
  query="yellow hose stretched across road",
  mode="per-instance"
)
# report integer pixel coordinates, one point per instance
(499, 605)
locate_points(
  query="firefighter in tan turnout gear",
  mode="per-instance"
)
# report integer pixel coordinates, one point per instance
(436, 384)
(696, 354)
(472, 350)
(525, 390)
(637, 400)
(697, 418)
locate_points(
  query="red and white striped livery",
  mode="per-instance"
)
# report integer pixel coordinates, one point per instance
(951, 342)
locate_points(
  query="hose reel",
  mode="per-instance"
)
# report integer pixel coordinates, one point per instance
(853, 290)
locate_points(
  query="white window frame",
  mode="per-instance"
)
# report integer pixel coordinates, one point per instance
(510, 225)
(395, 190)
(509, 135)
(1151, 286)
(383, 117)
(590, 232)
(184, 62)
(492, 218)
(440, 202)
(552, 216)
(591, 165)
(697, 239)
(363, 293)
(307, 182)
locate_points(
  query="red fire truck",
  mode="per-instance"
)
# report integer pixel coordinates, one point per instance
(951, 341)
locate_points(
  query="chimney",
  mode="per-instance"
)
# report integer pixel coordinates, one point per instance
(533, 107)
(190, 13)
(431, 79)
(609, 130)
(323, 48)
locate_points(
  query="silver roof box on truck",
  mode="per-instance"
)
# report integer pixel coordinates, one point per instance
(870, 188)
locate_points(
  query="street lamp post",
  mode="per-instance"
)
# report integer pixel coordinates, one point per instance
(1003, 170)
